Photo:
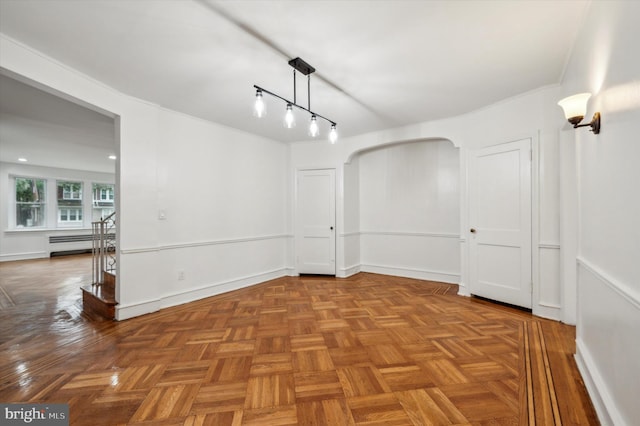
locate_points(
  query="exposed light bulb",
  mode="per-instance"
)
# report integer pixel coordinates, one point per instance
(289, 119)
(313, 127)
(333, 134)
(259, 108)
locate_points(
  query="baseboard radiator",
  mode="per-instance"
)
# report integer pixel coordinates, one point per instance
(60, 245)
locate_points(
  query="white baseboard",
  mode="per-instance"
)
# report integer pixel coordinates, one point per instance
(547, 311)
(600, 397)
(132, 310)
(24, 256)
(420, 274)
(348, 271)
(463, 290)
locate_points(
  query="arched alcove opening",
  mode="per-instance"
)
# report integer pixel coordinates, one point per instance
(403, 198)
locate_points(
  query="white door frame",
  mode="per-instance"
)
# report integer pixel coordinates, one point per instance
(465, 156)
(296, 213)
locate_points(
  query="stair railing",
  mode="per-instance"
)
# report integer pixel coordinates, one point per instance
(104, 247)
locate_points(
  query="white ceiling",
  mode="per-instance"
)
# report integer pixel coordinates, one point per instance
(380, 64)
(49, 131)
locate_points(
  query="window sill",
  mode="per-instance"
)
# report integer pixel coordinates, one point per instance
(37, 230)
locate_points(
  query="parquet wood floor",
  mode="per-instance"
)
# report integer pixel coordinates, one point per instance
(367, 350)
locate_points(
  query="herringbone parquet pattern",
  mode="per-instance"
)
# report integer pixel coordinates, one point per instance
(368, 350)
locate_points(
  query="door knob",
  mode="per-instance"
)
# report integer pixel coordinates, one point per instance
(472, 230)
(331, 228)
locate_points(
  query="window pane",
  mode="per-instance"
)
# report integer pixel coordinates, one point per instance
(29, 215)
(103, 200)
(69, 194)
(30, 202)
(30, 190)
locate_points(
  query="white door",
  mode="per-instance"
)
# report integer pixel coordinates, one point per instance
(500, 223)
(315, 220)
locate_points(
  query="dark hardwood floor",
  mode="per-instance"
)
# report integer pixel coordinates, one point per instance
(369, 350)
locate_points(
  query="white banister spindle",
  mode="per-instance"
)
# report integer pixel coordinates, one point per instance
(104, 246)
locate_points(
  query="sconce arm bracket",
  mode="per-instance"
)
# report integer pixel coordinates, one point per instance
(594, 124)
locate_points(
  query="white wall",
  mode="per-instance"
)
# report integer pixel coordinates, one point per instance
(410, 210)
(605, 62)
(223, 194)
(26, 243)
(216, 237)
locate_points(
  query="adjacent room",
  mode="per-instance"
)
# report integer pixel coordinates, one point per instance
(336, 212)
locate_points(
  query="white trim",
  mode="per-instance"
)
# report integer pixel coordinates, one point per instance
(534, 176)
(203, 243)
(193, 294)
(23, 230)
(350, 234)
(412, 234)
(421, 274)
(132, 310)
(548, 311)
(23, 256)
(208, 290)
(612, 283)
(549, 245)
(463, 290)
(600, 396)
(549, 305)
(349, 271)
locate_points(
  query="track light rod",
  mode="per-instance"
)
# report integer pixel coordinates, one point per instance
(295, 104)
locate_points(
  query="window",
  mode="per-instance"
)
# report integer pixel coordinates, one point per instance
(30, 202)
(103, 200)
(106, 194)
(69, 203)
(69, 216)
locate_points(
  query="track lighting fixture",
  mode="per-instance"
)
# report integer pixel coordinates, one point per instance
(289, 119)
(333, 134)
(313, 127)
(259, 109)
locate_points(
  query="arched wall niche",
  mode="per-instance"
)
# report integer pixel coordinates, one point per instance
(355, 152)
(402, 209)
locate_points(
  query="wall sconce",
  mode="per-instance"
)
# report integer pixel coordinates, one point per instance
(575, 107)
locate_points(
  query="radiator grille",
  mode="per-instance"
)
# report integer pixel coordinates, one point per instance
(55, 239)
(69, 238)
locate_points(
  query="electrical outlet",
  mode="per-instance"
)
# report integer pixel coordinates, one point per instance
(180, 275)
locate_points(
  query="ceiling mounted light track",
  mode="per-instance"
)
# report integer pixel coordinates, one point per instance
(301, 66)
